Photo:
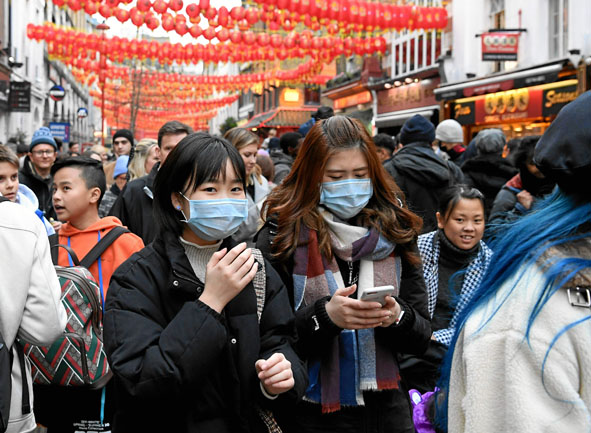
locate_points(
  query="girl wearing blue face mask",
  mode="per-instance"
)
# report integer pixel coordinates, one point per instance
(197, 329)
(337, 226)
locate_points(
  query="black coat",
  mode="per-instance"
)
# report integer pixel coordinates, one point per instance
(488, 173)
(41, 187)
(179, 365)
(134, 206)
(423, 176)
(386, 411)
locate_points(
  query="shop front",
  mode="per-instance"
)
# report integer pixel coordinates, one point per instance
(518, 112)
(402, 101)
(520, 103)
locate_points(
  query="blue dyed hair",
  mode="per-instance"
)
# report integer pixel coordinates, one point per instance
(555, 220)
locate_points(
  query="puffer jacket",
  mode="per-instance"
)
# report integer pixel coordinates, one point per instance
(40, 187)
(179, 365)
(30, 292)
(423, 176)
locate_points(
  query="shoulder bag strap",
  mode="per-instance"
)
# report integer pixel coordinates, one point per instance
(102, 245)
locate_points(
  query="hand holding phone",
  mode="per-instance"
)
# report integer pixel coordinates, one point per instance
(376, 294)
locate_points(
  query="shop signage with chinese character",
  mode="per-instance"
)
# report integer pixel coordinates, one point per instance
(406, 97)
(19, 96)
(350, 101)
(497, 46)
(517, 104)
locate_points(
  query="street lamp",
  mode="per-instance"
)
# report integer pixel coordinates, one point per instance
(102, 77)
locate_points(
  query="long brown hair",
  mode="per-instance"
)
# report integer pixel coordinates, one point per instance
(294, 202)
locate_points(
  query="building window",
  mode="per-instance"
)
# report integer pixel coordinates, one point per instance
(558, 28)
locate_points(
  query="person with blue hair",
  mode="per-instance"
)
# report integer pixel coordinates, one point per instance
(520, 359)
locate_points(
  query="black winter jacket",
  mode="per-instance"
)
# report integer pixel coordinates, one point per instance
(423, 176)
(134, 206)
(488, 173)
(386, 411)
(41, 187)
(179, 365)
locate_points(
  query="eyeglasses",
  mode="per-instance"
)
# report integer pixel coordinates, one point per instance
(43, 152)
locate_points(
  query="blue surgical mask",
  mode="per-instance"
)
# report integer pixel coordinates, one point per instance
(214, 220)
(346, 198)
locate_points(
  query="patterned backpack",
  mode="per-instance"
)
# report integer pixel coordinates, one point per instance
(78, 358)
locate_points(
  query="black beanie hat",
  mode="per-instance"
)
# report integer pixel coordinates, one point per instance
(125, 133)
(417, 129)
(563, 154)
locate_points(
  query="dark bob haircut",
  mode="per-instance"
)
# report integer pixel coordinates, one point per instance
(198, 158)
(451, 197)
(91, 171)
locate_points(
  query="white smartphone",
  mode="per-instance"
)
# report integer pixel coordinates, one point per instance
(376, 294)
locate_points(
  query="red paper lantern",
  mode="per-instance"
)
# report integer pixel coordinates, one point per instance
(106, 11)
(235, 36)
(143, 5)
(276, 40)
(223, 15)
(181, 28)
(122, 15)
(209, 33)
(237, 13)
(167, 22)
(195, 31)
(249, 38)
(90, 8)
(175, 5)
(223, 35)
(192, 10)
(160, 6)
(252, 16)
(263, 39)
(204, 5)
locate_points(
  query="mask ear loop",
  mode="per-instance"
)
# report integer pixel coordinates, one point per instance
(178, 208)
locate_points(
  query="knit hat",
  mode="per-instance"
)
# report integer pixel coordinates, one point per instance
(42, 136)
(449, 131)
(121, 166)
(125, 133)
(490, 141)
(563, 154)
(417, 129)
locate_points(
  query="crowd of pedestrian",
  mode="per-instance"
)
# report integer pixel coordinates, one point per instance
(319, 280)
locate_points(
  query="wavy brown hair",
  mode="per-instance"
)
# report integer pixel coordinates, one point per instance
(295, 201)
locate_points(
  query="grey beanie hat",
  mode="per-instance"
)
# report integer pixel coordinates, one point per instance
(490, 141)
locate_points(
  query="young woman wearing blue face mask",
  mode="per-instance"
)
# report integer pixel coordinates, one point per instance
(190, 346)
(338, 225)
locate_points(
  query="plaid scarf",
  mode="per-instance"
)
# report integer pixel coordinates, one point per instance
(354, 361)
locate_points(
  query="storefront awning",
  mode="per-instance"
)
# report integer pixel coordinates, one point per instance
(399, 117)
(281, 117)
(541, 74)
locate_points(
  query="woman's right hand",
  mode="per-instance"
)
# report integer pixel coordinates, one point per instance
(348, 313)
(228, 272)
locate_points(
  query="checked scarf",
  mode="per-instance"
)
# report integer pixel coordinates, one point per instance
(354, 361)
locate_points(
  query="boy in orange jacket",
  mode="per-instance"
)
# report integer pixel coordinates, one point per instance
(78, 186)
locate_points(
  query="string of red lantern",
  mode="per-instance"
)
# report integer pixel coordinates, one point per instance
(67, 42)
(345, 15)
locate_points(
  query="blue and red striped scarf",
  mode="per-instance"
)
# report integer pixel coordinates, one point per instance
(355, 361)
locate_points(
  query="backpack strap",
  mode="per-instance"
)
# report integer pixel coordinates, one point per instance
(26, 401)
(102, 245)
(260, 281)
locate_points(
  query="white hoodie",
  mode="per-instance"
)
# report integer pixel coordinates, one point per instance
(30, 306)
(27, 198)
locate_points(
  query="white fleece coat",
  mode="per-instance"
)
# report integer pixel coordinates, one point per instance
(499, 382)
(30, 306)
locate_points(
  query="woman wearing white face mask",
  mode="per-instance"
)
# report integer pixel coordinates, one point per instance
(187, 334)
(338, 226)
